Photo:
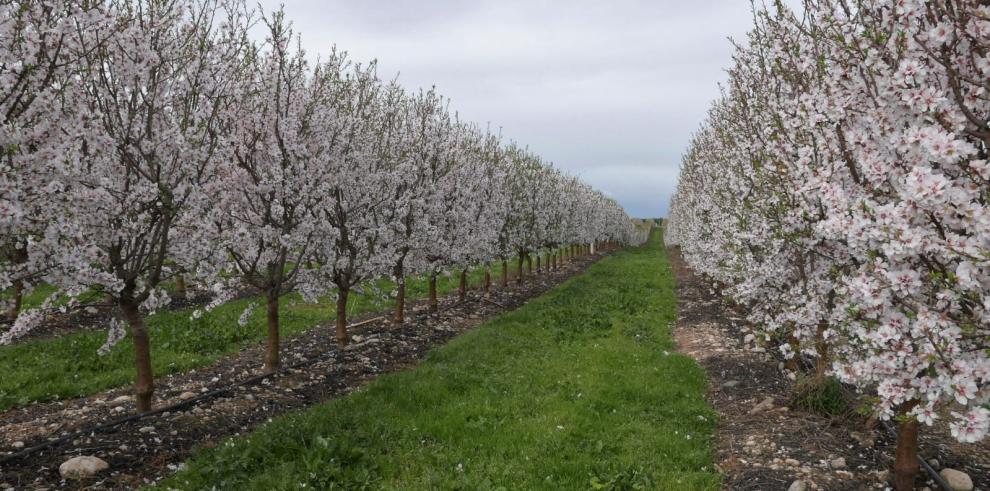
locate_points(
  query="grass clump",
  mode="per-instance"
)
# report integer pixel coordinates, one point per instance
(824, 397)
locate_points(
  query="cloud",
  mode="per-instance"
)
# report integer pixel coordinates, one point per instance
(609, 91)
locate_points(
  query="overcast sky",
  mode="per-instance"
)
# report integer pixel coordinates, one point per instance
(608, 90)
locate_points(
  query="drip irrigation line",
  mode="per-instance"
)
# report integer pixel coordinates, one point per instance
(205, 395)
(924, 464)
(188, 402)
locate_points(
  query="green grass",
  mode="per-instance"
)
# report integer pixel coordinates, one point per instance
(578, 389)
(68, 366)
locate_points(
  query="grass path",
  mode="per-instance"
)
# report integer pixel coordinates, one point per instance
(579, 389)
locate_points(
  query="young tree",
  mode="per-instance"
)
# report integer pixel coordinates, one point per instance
(266, 194)
(158, 98)
(41, 130)
(360, 179)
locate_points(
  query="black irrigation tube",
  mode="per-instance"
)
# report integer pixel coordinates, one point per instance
(808, 364)
(188, 402)
(924, 464)
(202, 397)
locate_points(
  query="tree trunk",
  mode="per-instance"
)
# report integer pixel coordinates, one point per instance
(821, 346)
(144, 386)
(519, 275)
(529, 264)
(342, 337)
(433, 292)
(539, 269)
(488, 279)
(272, 351)
(906, 453)
(400, 296)
(180, 287)
(15, 309)
(462, 288)
(792, 363)
(505, 273)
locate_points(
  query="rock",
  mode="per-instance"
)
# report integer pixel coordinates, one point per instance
(839, 463)
(792, 462)
(798, 485)
(934, 463)
(17, 444)
(844, 474)
(147, 429)
(731, 383)
(357, 339)
(762, 406)
(185, 396)
(82, 466)
(958, 480)
(121, 400)
(866, 440)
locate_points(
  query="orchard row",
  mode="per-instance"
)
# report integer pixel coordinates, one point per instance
(840, 190)
(146, 141)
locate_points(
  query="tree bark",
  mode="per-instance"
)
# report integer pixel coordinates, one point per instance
(180, 287)
(821, 346)
(15, 309)
(488, 279)
(538, 267)
(433, 292)
(342, 337)
(529, 264)
(144, 386)
(400, 296)
(519, 277)
(906, 453)
(462, 287)
(505, 273)
(792, 363)
(272, 351)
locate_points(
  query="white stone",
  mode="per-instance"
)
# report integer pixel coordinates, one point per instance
(764, 405)
(958, 480)
(185, 396)
(82, 466)
(798, 485)
(147, 429)
(839, 463)
(121, 400)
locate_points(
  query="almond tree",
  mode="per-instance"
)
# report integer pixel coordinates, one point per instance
(159, 94)
(359, 180)
(839, 189)
(428, 135)
(268, 190)
(41, 130)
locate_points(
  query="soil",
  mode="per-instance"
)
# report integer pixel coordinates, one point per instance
(144, 450)
(762, 441)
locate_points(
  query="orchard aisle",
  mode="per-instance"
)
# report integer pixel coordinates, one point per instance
(762, 440)
(580, 388)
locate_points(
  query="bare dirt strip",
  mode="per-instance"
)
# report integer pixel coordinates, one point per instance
(144, 450)
(762, 441)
